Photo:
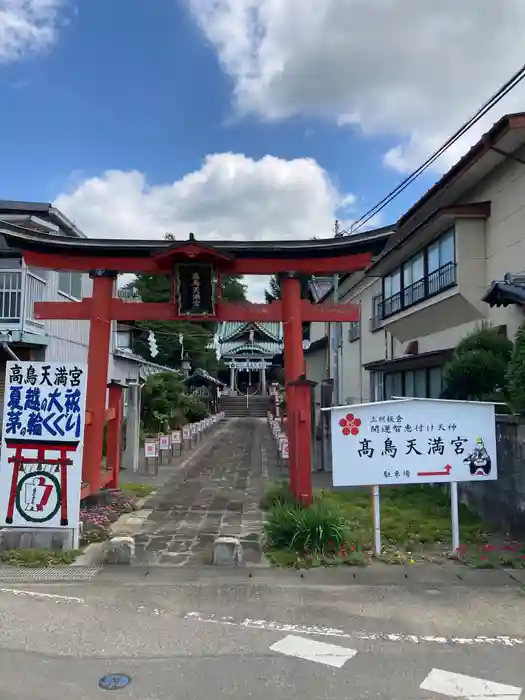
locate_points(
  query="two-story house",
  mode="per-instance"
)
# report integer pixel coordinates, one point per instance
(25, 337)
(451, 264)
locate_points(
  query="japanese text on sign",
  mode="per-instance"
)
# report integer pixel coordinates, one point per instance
(416, 441)
(195, 289)
(44, 401)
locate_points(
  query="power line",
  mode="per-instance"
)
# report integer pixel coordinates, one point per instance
(504, 90)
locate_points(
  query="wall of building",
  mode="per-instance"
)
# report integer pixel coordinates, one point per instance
(486, 250)
(505, 230)
(69, 340)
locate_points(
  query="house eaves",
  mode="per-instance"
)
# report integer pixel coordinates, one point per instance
(44, 211)
(386, 232)
(495, 147)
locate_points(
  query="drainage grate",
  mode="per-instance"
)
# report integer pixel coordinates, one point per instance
(52, 573)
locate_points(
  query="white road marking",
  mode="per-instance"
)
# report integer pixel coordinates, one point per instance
(456, 685)
(271, 625)
(48, 596)
(309, 649)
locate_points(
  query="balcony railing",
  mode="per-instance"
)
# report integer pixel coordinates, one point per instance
(425, 288)
(19, 290)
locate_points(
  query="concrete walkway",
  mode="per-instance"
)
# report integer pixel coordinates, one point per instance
(215, 491)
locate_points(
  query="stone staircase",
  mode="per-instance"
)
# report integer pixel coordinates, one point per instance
(237, 407)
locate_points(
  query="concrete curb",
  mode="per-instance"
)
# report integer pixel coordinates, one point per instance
(342, 577)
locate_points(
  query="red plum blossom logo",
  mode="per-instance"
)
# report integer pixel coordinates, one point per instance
(350, 425)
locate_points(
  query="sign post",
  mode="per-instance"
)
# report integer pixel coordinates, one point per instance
(176, 442)
(413, 441)
(455, 515)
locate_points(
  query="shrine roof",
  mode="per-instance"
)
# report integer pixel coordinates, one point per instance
(21, 238)
(273, 330)
(266, 348)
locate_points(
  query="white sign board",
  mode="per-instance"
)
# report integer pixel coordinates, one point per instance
(186, 432)
(413, 441)
(151, 449)
(283, 447)
(43, 435)
(176, 437)
(165, 442)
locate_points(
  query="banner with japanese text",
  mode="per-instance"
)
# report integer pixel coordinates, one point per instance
(42, 441)
(195, 289)
(413, 441)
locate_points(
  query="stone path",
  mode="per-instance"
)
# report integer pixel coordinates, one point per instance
(216, 491)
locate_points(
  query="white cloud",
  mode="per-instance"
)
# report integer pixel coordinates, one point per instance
(27, 26)
(410, 69)
(229, 197)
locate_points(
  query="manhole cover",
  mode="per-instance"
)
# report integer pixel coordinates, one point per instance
(114, 681)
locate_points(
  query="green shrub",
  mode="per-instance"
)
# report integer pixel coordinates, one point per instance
(479, 367)
(488, 339)
(194, 409)
(277, 492)
(316, 529)
(138, 490)
(38, 558)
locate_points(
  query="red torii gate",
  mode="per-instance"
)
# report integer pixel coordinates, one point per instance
(103, 259)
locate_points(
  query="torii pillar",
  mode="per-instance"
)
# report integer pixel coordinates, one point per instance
(293, 369)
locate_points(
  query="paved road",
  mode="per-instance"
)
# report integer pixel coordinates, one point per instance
(217, 491)
(232, 639)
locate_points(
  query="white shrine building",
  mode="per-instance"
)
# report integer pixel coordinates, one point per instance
(248, 349)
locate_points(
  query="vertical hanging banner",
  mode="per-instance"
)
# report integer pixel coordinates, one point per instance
(195, 289)
(42, 440)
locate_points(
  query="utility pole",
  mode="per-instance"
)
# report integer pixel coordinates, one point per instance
(334, 331)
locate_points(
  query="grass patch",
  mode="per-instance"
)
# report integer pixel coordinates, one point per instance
(138, 490)
(412, 517)
(277, 492)
(309, 537)
(38, 558)
(337, 529)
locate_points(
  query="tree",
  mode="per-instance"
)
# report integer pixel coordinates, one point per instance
(166, 403)
(516, 372)
(274, 288)
(233, 288)
(478, 369)
(197, 335)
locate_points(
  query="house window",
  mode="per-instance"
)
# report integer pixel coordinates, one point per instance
(354, 331)
(393, 384)
(70, 283)
(414, 279)
(419, 383)
(435, 382)
(425, 274)
(375, 320)
(441, 263)
(392, 293)
(376, 386)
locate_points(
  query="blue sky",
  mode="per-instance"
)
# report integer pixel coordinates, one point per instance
(142, 117)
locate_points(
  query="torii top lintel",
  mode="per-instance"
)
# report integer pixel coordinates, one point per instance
(321, 256)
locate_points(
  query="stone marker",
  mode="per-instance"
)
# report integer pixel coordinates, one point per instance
(36, 538)
(120, 550)
(227, 551)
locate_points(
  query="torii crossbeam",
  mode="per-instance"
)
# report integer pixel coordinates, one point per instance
(195, 269)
